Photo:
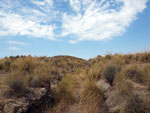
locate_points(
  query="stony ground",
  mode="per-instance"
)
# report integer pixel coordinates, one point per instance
(26, 104)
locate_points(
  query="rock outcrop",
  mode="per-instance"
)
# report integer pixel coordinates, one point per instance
(31, 102)
(116, 103)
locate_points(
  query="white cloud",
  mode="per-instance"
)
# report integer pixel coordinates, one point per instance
(16, 42)
(43, 2)
(88, 19)
(75, 4)
(14, 24)
(44, 5)
(13, 48)
(100, 22)
(26, 21)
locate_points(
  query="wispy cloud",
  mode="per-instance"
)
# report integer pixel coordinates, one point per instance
(83, 19)
(76, 5)
(16, 42)
(13, 48)
(17, 18)
(102, 20)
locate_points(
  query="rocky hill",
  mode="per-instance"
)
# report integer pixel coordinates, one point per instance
(64, 84)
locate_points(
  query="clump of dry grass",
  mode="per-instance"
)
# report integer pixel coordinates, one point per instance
(66, 89)
(65, 94)
(91, 97)
(136, 105)
(25, 65)
(17, 83)
(139, 73)
(7, 64)
(34, 81)
(134, 72)
(125, 89)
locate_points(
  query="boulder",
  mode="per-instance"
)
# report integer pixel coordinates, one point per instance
(103, 85)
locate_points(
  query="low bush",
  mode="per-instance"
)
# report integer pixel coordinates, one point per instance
(17, 84)
(110, 72)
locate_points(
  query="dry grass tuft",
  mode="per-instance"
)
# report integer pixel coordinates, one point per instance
(91, 96)
(66, 90)
(136, 105)
(17, 83)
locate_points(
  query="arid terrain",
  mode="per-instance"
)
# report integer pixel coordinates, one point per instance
(64, 84)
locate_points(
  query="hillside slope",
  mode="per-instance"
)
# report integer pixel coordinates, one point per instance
(64, 84)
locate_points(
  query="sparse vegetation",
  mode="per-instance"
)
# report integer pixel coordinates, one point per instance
(17, 84)
(35, 81)
(136, 105)
(72, 81)
(7, 65)
(110, 72)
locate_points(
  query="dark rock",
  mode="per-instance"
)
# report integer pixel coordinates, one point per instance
(32, 102)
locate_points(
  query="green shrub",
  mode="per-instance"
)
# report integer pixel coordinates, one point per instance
(17, 84)
(110, 72)
(136, 105)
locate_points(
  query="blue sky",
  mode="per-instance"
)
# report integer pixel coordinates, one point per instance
(81, 28)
